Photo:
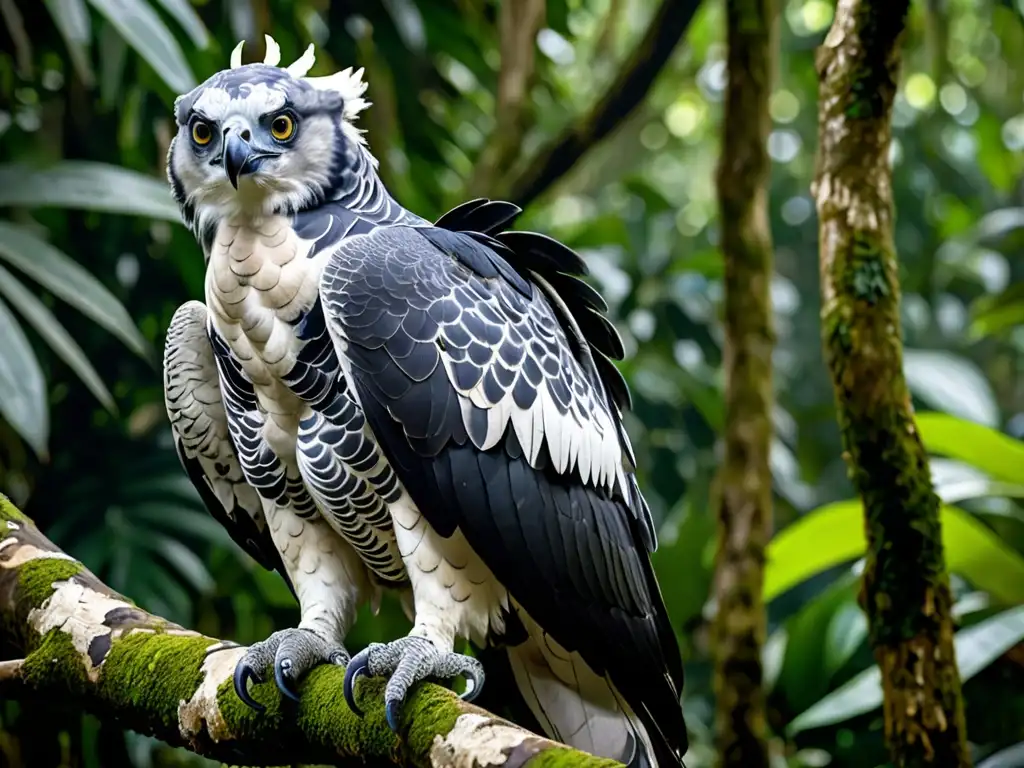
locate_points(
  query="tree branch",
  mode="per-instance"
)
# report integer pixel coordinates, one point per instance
(744, 482)
(518, 24)
(638, 74)
(119, 662)
(905, 590)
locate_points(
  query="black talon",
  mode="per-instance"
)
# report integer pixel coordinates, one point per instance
(471, 693)
(282, 683)
(356, 669)
(243, 674)
(392, 713)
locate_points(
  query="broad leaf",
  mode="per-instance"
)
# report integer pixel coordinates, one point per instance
(87, 186)
(140, 25)
(976, 648)
(182, 559)
(994, 314)
(54, 334)
(22, 387)
(185, 15)
(834, 534)
(71, 18)
(999, 455)
(951, 384)
(60, 275)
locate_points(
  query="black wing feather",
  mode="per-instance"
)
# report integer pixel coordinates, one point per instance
(574, 556)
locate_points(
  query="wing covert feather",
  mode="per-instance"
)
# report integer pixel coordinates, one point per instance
(558, 517)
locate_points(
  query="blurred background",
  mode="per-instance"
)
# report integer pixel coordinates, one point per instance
(93, 262)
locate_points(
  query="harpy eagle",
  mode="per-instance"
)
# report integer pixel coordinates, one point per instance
(370, 401)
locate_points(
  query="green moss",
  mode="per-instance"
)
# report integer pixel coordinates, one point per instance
(9, 512)
(37, 577)
(865, 275)
(432, 711)
(324, 716)
(150, 673)
(56, 664)
(241, 719)
(872, 78)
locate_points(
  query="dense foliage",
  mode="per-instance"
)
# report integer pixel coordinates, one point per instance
(93, 263)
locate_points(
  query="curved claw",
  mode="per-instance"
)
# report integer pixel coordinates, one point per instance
(357, 667)
(393, 713)
(243, 674)
(474, 684)
(282, 668)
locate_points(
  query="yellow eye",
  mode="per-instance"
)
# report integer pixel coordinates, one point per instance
(201, 133)
(282, 128)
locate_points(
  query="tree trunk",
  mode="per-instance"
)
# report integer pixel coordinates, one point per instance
(85, 643)
(744, 482)
(519, 21)
(905, 590)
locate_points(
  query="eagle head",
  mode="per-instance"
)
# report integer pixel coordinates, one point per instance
(260, 139)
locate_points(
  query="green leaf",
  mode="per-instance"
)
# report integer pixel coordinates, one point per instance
(71, 18)
(999, 455)
(184, 561)
(185, 15)
(976, 648)
(951, 384)
(22, 387)
(87, 186)
(680, 561)
(144, 31)
(60, 275)
(54, 334)
(183, 521)
(991, 315)
(834, 534)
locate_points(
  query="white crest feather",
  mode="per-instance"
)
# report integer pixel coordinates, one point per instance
(303, 64)
(273, 57)
(236, 55)
(348, 83)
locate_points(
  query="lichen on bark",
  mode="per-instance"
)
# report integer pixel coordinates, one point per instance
(81, 639)
(905, 590)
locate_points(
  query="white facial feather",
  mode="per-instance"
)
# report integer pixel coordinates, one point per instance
(296, 177)
(348, 83)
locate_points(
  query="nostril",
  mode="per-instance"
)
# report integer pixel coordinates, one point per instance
(246, 134)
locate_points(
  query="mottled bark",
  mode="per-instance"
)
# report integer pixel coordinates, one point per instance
(79, 639)
(744, 482)
(905, 589)
(519, 21)
(641, 68)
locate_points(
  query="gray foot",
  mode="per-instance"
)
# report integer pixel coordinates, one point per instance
(405, 662)
(292, 653)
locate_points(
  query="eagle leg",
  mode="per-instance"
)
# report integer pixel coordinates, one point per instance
(292, 653)
(405, 662)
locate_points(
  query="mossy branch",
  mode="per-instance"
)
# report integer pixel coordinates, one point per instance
(634, 81)
(80, 639)
(906, 588)
(744, 483)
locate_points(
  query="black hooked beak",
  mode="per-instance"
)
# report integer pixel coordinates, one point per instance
(237, 154)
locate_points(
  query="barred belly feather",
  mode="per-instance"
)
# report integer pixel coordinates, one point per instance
(303, 435)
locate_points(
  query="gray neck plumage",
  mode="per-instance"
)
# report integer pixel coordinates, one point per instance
(359, 189)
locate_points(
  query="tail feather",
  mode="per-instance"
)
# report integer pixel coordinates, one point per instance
(576, 706)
